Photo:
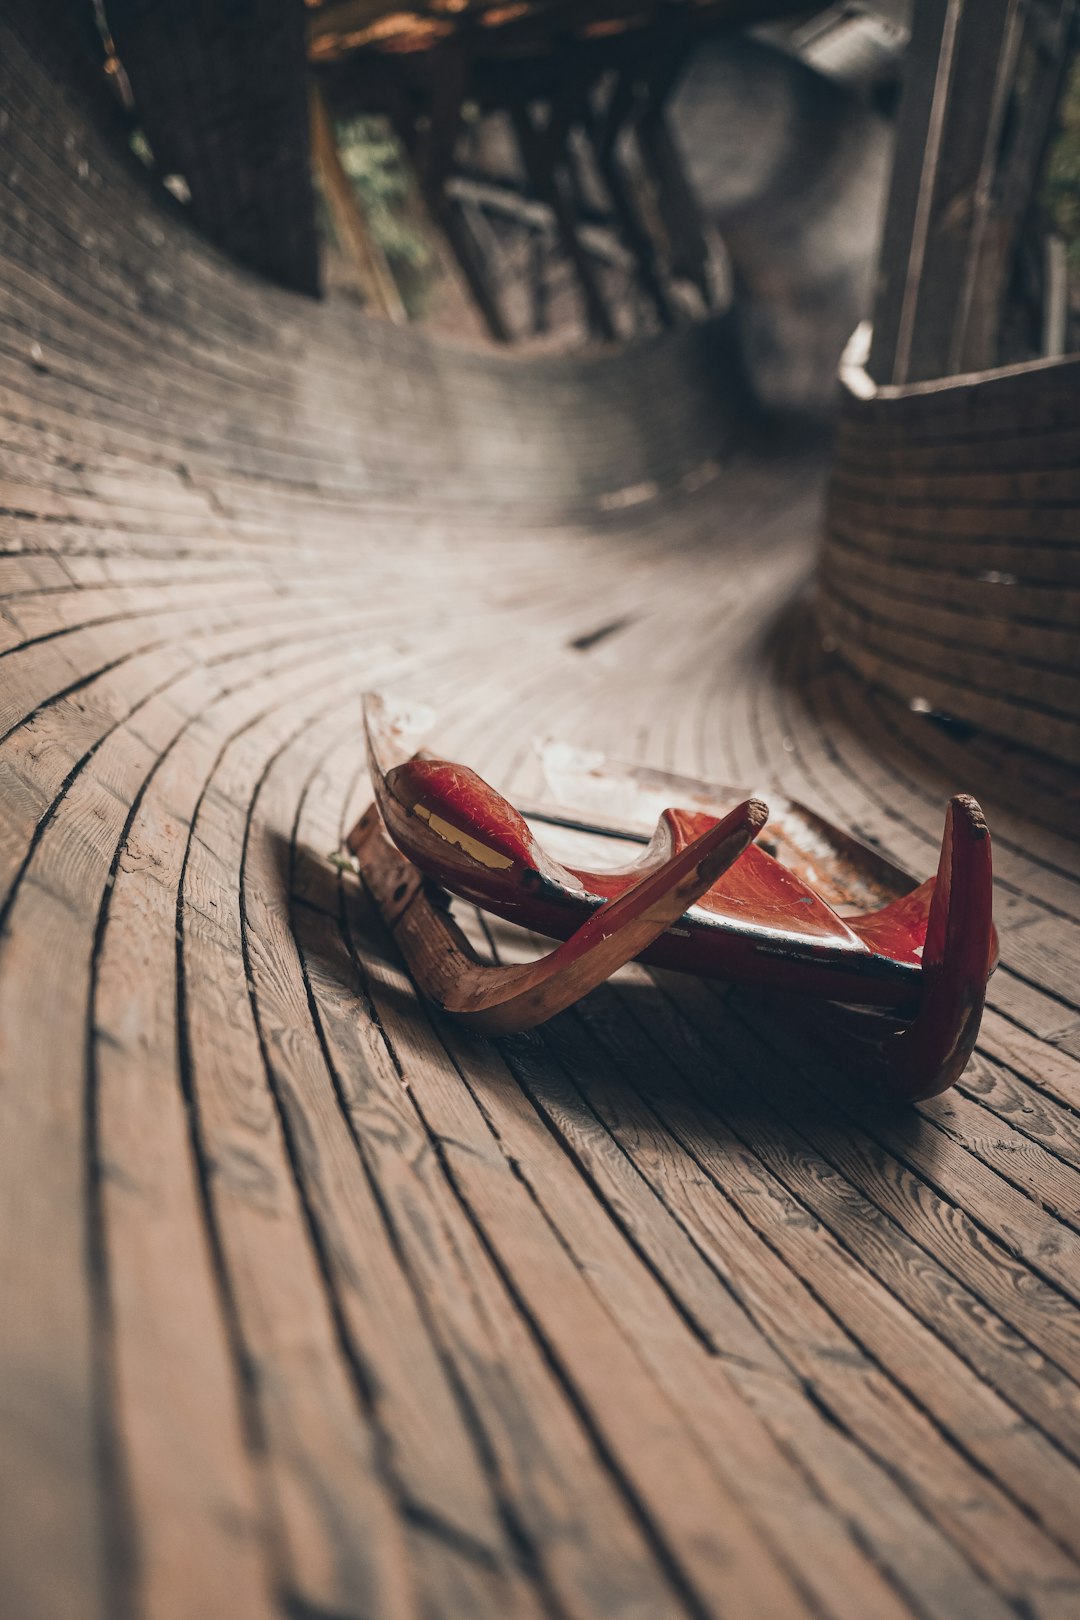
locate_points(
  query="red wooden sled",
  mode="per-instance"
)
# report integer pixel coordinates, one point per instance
(806, 908)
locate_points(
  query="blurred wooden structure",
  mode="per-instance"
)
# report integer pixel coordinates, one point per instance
(952, 561)
(981, 96)
(220, 94)
(951, 572)
(590, 156)
(353, 231)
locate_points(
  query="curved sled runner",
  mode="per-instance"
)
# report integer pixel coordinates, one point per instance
(805, 908)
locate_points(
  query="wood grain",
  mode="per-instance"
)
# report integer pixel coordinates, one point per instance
(318, 1307)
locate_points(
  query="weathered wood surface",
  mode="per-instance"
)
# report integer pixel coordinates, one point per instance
(982, 85)
(951, 571)
(315, 1305)
(220, 91)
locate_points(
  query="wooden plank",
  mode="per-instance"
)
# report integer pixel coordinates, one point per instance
(637, 1185)
(349, 1559)
(1011, 528)
(634, 232)
(919, 135)
(948, 235)
(986, 46)
(648, 1315)
(1042, 53)
(368, 260)
(428, 1449)
(850, 1387)
(214, 102)
(570, 1514)
(542, 148)
(718, 1551)
(431, 163)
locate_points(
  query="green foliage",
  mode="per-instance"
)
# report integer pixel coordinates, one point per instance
(141, 148)
(374, 162)
(1061, 186)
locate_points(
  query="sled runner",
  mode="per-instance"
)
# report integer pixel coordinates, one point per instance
(763, 893)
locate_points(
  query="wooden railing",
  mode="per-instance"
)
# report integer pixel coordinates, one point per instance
(951, 566)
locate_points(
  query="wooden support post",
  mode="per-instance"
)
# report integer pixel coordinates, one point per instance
(470, 258)
(502, 200)
(1041, 63)
(538, 291)
(436, 135)
(376, 280)
(603, 139)
(431, 153)
(954, 206)
(920, 124)
(675, 199)
(541, 152)
(1055, 299)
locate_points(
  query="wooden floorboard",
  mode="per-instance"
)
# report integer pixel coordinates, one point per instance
(316, 1306)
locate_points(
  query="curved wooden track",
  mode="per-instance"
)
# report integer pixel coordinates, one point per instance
(314, 1305)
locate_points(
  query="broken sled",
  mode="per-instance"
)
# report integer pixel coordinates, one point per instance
(796, 905)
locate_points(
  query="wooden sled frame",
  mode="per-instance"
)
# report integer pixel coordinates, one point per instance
(502, 1000)
(916, 1055)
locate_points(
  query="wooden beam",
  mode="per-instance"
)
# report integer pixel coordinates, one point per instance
(956, 202)
(675, 204)
(981, 79)
(542, 150)
(538, 289)
(455, 227)
(494, 197)
(436, 134)
(1056, 298)
(675, 201)
(1041, 60)
(352, 230)
(603, 137)
(920, 124)
(445, 213)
